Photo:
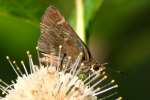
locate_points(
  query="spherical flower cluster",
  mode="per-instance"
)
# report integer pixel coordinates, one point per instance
(47, 82)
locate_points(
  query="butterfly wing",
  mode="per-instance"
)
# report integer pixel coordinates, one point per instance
(55, 32)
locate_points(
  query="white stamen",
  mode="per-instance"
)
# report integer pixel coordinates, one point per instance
(109, 96)
(94, 85)
(107, 85)
(108, 89)
(75, 65)
(38, 55)
(97, 75)
(24, 67)
(18, 69)
(4, 83)
(59, 57)
(89, 77)
(12, 65)
(30, 61)
(119, 98)
(67, 64)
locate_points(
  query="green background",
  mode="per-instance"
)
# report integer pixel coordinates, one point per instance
(118, 32)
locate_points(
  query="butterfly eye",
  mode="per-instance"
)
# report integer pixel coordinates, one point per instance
(95, 67)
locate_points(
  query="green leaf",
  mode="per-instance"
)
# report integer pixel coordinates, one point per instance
(91, 7)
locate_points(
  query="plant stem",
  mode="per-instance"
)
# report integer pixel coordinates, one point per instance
(80, 27)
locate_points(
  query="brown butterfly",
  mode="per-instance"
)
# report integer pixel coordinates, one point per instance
(57, 32)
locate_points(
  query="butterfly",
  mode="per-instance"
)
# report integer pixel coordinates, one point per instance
(57, 34)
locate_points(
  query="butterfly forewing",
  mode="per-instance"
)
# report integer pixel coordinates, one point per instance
(55, 31)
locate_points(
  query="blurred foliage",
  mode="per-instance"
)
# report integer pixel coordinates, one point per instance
(118, 33)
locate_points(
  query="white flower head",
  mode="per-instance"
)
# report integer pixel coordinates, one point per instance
(48, 82)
